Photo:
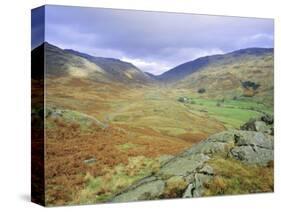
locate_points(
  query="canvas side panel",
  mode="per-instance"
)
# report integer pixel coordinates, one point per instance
(37, 106)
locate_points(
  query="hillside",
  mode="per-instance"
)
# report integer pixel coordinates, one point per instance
(224, 164)
(115, 68)
(151, 75)
(70, 63)
(185, 69)
(242, 73)
(109, 125)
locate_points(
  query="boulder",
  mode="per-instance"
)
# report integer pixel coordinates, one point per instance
(90, 161)
(268, 119)
(252, 155)
(183, 99)
(250, 125)
(254, 139)
(53, 112)
(196, 187)
(217, 143)
(253, 148)
(263, 124)
(189, 191)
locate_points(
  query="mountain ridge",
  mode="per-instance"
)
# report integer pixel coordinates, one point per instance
(61, 62)
(244, 72)
(175, 73)
(187, 68)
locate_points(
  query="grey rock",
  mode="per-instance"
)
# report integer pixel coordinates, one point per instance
(263, 124)
(253, 148)
(249, 147)
(164, 159)
(206, 148)
(200, 180)
(145, 191)
(214, 144)
(53, 113)
(189, 191)
(252, 155)
(250, 125)
(207, 170)
(142, 181)
(183, 166)
(183, 99)
(189, 178)
(262, 127)
(257, 139)
(90, 161)
(196, 188)
(268, 119)
(223, 137)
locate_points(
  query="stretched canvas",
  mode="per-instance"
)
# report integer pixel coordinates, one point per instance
(134, 105)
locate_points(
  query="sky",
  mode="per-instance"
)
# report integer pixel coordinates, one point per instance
(153, 41)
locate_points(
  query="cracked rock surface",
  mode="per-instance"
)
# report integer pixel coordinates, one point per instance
(191, 167)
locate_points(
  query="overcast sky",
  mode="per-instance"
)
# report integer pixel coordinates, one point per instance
(153, 41)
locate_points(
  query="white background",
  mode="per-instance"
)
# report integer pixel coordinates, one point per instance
(15, 103)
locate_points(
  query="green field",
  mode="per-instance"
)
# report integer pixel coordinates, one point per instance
(232, 113)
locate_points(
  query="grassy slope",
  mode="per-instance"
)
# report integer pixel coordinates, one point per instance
(233, 177)
(144, 122)
(224, 80)
(232, 113)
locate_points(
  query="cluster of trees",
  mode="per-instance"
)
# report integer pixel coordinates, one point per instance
(201, 90)
(250, 84)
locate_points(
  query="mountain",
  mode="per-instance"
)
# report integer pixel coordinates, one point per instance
(246, 72)
(151, 75)
(185, 69)
(117, 69)
(60, 62)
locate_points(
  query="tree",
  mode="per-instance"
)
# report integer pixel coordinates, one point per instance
(201, 90)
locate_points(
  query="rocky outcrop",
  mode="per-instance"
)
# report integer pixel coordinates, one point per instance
(74, 116)
(183, 99)
(145, 189)
(253, 148)
(186, 175)
(264, 124)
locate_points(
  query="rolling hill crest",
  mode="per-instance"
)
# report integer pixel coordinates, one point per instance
(246, 72)
(63, 63)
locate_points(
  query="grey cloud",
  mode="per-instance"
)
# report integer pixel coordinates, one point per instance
(166, 39)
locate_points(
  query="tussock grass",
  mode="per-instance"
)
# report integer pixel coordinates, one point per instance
(102, 188)
(233, 177)
(174, 187)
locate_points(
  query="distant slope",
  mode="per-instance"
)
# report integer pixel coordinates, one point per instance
(117, 69)
(247, 72)
(188, 68)
(61, 62)
(151, 75)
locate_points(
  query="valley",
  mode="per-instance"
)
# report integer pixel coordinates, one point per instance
(108, 124)
(140, 128)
